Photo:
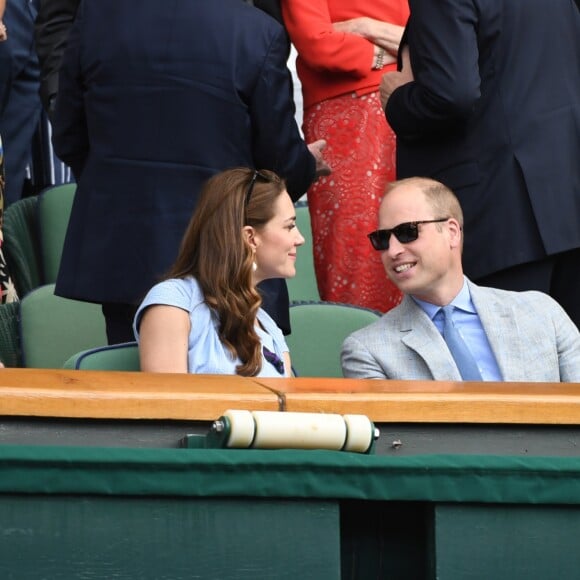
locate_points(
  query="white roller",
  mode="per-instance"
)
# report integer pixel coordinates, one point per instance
(359, 433)
(276, 430)
(242, 428)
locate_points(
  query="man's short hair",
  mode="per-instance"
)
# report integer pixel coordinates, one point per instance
(443, 201)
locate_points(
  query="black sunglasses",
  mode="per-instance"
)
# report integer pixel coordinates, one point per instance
(405, 233)
(255, 176)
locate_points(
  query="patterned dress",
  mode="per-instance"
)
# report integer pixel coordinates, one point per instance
(7, 290)
(340, 90)
(344, 206)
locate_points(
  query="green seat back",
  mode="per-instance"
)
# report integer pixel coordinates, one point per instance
(21, 245)
(116, 357)
(303, 286)
(9, 340)
(318, 330)
(54, 207)
(52, 328)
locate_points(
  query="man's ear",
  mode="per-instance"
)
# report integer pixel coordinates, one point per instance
(250, 236)
(455, 232)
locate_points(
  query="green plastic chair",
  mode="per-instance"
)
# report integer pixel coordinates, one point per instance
(116, 357)
(53, 208)
(52, 328)
(9, 341)
(34, 232)
(21, 244)
(303, 286)
(318, 331)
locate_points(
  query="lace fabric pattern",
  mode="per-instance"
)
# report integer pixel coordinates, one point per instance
(344, 206)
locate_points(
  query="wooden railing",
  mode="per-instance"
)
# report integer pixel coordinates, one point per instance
(127, 395)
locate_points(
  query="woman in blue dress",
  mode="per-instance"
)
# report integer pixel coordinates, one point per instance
(205, 317)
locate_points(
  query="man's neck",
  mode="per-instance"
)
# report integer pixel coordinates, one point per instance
(443, 294)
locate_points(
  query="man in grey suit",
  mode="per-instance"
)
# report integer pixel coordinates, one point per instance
(510, 336)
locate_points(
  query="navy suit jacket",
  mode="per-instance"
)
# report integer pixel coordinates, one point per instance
(154, 98)
(494, 113)
(19, 101)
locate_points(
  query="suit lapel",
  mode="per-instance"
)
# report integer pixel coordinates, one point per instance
(420, 335)
(501, 327)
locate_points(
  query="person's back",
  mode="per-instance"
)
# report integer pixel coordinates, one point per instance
(20, 105)
(494, 112)
(168, 71)
(154, 98)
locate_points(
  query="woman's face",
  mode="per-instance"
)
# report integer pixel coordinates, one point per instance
(277, 241)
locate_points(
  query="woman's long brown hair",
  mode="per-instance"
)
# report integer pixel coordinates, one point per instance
(217, 254)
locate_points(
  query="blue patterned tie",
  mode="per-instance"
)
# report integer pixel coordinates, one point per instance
(459, 351)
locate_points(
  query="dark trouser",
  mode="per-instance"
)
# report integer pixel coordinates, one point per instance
(275, 302)
(119, 322)
(557, 275)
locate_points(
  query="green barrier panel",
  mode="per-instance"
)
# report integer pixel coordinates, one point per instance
(289, 473)
(98, 537)
(476, 542)
(75, 512)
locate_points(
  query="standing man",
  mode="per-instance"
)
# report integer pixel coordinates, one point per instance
(20, 105)
(488, 102)
(446, 327)
(177, 92)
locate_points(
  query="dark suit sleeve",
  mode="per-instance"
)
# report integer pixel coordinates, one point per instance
(277, 143)
(442, 39)
(271, 7)
(55, 17)
(69, 135)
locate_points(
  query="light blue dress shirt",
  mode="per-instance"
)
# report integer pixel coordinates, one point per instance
(469, 326)
(206, 352)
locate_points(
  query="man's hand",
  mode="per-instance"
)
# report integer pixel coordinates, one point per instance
(383, 34)
(316, 148)
(393, 80)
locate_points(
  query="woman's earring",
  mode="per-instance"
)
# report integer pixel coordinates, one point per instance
(254, 263)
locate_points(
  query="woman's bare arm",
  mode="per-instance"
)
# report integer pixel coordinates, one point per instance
(163, 339)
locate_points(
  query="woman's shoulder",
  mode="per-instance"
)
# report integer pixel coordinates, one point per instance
(182, 292)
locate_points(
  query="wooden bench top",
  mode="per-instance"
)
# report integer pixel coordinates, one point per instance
(135, 395)
(128, 395)
(434, 401)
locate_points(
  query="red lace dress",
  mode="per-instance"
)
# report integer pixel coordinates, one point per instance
(344, 206)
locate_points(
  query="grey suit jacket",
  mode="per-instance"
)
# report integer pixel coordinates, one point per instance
(532, 339)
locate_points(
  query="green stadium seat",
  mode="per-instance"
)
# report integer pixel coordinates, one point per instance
(116, 357)
(303, 286)
(52, 328)
(54, 207)
(318, 330)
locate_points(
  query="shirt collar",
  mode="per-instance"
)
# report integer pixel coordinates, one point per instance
(462, 302)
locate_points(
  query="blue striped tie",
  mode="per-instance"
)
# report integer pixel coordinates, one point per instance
(459, 351)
